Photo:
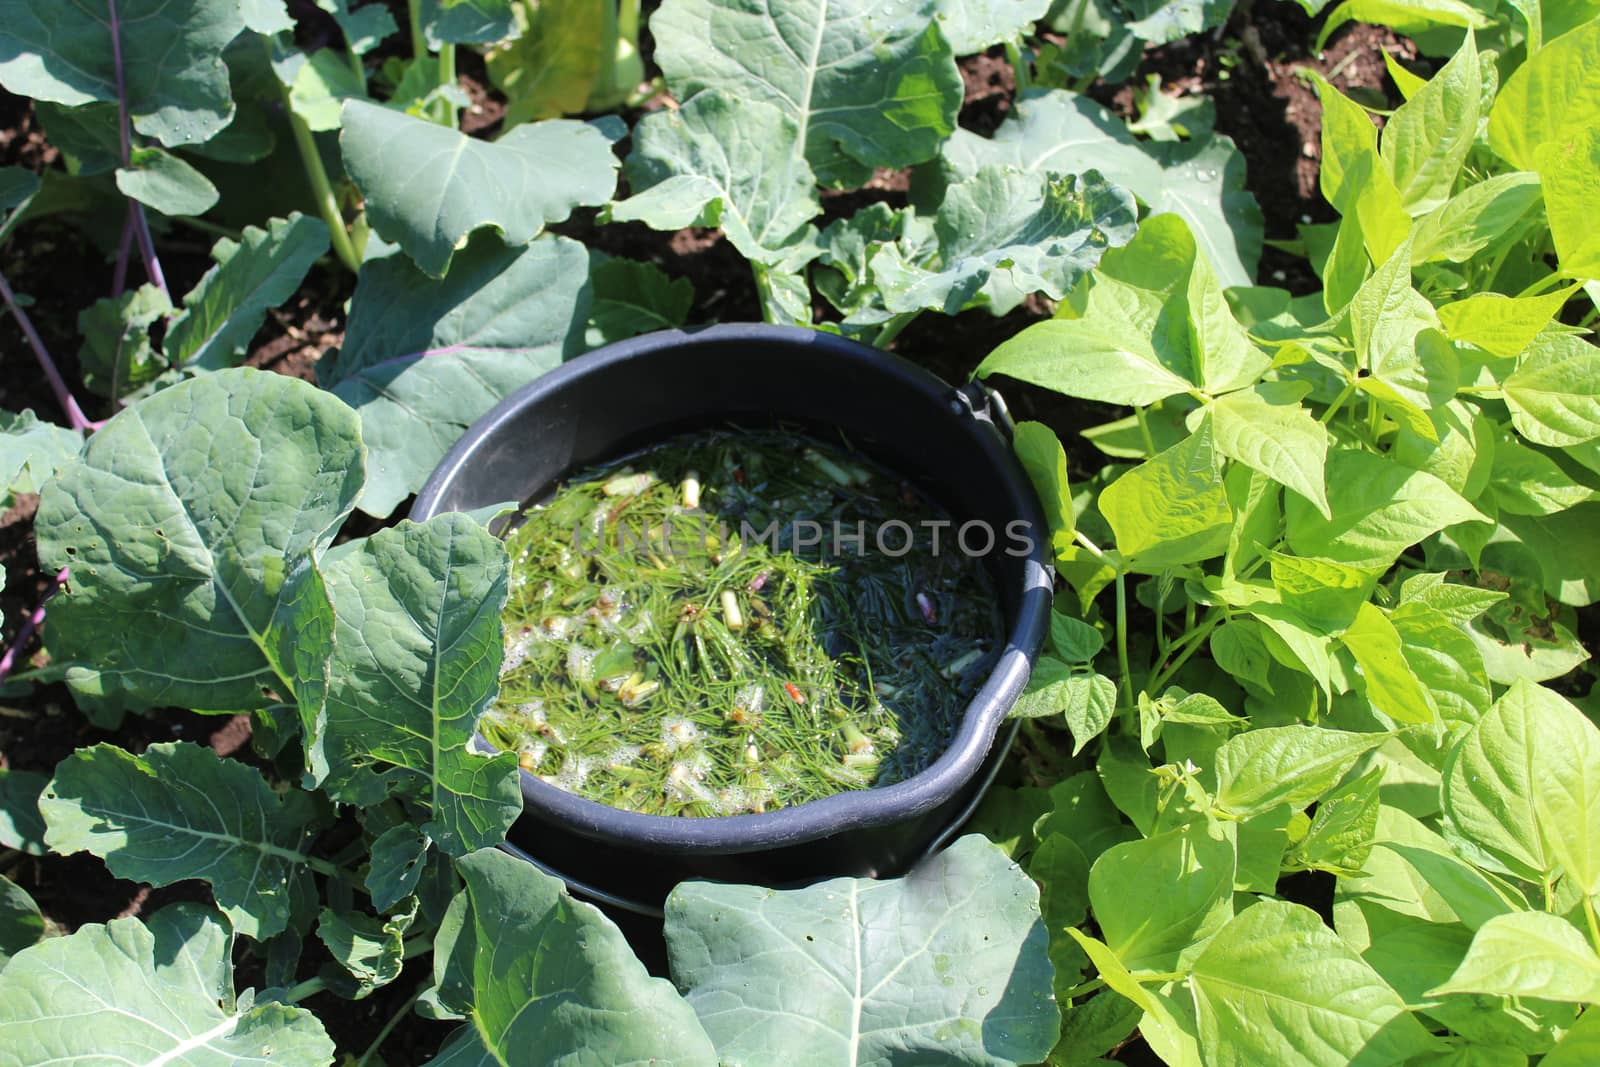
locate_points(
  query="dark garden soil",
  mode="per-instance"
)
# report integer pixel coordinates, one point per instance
(1251, 70)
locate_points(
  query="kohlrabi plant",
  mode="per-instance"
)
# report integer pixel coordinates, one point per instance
(365, 825)
(763, 128)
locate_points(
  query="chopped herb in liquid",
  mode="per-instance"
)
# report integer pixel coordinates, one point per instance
(658, 661)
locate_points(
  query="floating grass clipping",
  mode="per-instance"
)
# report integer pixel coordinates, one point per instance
(679, 643)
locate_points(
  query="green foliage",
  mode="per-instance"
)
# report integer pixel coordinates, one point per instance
(416, 660)
(225, 308)
(1200, 180)
(721, 161)
(187, 580)
(163, 987)
(864, 87)
(421, 361)
(1351, 510)
(173, 79)
(1325, 560)
(593, 999)
(31, 452)
(768, 971)
(430, 198)
(179, 811)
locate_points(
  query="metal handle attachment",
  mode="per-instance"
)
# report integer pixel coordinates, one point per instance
(981, 402)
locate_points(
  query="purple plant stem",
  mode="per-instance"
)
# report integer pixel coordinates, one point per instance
(147, 247)
(30, 624)
(119, 276)
(64, 396)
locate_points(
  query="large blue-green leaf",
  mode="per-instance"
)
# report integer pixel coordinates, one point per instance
(423, 359)
(175, 82)
(947, 964)
(21, 826)
(866, 84)
(31, 451)
(118, 354)
(722, 161)
(225, 308)
(1057, 132)
(156, 991)
(427, 188)
(1161, 21)
(167, 183)
(21, 924)
(633, 297)
(1003, 234)
(465, 21)
(533, 969)
(416, 660)
(181, 811)
(972, 27)
(191, 523)
(364, 27)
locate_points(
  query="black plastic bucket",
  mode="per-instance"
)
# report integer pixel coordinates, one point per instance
(952, 443)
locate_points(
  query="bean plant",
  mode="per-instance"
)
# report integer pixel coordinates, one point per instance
(1313, 599)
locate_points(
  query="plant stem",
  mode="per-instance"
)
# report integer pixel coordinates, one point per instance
(75, 416)
(208, 227)
(388, 1028)
(419, 43)
(1126, 684)
(300, 991)
(763, 292)
(327, 202)
(1549, 281)
(892, 328)
(1083, 988)
(1194, 640)
(119, 273)
(1020, 68)
(321, 188)
(147, 248)
(1144, 431)
(30, 624)
(1594, 923)
(1338, 402)
(1161, 635)
(323, 867)
(447, 80)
